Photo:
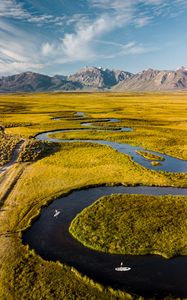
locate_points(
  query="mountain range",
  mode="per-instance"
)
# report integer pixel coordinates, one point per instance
(97, 79)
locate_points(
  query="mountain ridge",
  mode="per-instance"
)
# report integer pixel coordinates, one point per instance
(155, 80)
(97, 79)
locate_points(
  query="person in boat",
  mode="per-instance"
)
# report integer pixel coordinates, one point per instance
(122, 269)
(57, 212)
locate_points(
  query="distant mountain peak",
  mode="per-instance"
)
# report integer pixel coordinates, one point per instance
(183, 69)
(97, 78)
(155, 80)
(35, 82)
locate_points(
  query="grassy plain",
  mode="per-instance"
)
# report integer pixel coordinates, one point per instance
(159, 120)
(159, 123)
(139, 225)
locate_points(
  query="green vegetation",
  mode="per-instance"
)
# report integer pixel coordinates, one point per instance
(134, 224)
(158, 120)
(34, 278)
(17, 124)
(149, 155)
(159, 124)
(172, 179)
(155, 163)
(7, 145)
(33, 150)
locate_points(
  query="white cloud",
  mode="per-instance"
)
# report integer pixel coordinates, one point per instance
(153, 2)
(10, 8)
(169, 6)
(18, 50)
(13, 9)
(12, 55)
(142, 21)
(136, 48)
(83, 44)
(131, 48)
(122, 4)
(111, 4)
(78, 45)
(136, 12)
(47, 49)
(17, 67)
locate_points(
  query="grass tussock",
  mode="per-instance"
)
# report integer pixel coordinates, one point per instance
(155, 163)
(33, 150)
(7, 145)
(149, 155)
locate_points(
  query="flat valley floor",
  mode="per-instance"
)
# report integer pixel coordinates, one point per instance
(34, 172)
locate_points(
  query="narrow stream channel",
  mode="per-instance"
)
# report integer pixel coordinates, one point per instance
(169, 164)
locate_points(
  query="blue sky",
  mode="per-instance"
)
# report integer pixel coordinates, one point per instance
(61, 36)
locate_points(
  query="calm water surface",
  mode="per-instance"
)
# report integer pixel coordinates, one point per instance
(150, 275)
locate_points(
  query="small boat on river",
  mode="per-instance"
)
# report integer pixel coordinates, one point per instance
(57, 212)
(122, 269)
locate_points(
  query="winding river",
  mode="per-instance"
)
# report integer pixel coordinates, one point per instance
(169, 164)
(150, 275)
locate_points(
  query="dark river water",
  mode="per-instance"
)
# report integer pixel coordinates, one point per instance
(150, 275)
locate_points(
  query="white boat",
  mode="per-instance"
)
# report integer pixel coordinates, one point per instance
(122, 269)
(57, 212)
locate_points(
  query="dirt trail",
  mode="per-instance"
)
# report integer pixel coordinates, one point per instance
(9, 176)
(8, 181)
